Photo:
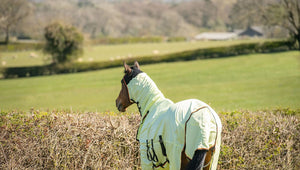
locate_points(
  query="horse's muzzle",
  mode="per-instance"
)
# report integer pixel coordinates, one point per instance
(120, 107)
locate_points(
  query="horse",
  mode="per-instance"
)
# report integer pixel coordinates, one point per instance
(183, 135)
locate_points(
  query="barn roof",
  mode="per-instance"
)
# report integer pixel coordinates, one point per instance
(252, 32)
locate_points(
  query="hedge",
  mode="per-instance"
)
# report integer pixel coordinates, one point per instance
(127, 40)
(21, 46)
(218, 52)
(73, 140)
(130, 40)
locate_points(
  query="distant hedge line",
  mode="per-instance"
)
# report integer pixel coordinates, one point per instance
(217, 52)
(21, 46)
(128, 40)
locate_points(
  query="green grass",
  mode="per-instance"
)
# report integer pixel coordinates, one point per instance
(23, 58)
(112, 52)
(257, 81)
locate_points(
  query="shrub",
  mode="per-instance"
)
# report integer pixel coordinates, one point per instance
(63, 42)
(176, 39)
(62, 140)
(260, 140)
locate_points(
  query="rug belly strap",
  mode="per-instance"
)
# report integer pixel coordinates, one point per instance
(152, 155)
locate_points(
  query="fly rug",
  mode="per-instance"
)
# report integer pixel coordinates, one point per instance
(183, 135)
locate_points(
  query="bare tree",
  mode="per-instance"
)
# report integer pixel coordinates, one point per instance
(292, 15)
(284, 13)
(11, 13)
(116, 18)
(247, 13)
(199, 13)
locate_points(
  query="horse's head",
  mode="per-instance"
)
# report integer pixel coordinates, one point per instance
(123, 101)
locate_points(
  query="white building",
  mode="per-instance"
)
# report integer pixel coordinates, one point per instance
(216, 36)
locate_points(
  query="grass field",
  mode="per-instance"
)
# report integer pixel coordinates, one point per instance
(257, 81)
(111, 52)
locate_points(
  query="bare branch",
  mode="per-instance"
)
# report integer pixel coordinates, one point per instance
(292, 19)
(298, 11)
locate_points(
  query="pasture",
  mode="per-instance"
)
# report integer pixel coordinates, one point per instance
(247, 82)
(113, 52)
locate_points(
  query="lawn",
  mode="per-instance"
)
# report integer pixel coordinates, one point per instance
(112, 52)
(253, 82)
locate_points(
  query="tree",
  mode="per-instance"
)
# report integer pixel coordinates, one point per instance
(199, 13)
(63, 42)
(286, 14)
(247, 13)
(292, 18)
(11, 13)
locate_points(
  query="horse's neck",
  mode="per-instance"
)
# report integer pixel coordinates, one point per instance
(145, 93)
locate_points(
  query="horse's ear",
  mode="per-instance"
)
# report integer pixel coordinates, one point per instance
(127, 68)
(137, 65)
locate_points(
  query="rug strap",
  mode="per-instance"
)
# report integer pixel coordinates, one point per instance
(163, 148)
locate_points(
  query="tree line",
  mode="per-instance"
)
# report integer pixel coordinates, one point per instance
(171, 18)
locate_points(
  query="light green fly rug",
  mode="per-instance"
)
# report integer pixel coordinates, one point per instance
(166, 127)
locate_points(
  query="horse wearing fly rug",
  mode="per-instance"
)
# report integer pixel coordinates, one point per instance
(184, 135)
